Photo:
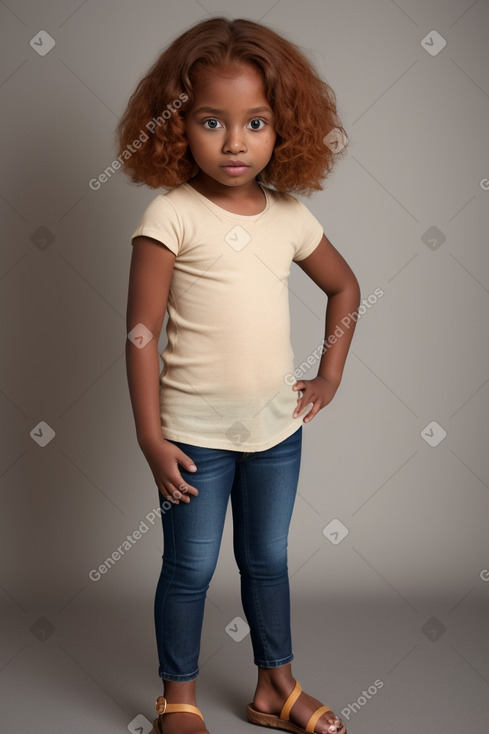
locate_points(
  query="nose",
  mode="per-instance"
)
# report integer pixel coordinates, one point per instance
(234, 142)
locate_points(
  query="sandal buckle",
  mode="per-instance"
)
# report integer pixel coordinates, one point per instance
(160, 706)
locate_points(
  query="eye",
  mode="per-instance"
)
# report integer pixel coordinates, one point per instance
(212, 123)
(256, 123)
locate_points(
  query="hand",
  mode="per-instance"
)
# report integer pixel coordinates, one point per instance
(163, 458)
(320, 391)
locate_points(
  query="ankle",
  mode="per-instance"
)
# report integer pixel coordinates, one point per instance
(279, 680)
(179, 692)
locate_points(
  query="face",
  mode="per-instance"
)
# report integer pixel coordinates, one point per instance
(230, 126)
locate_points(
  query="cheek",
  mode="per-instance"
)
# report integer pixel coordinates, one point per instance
(269, 142)
(200, 149)
(195, 141)
(193, 132)
(199, 139)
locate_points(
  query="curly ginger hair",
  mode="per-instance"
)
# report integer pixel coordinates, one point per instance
(303, 105)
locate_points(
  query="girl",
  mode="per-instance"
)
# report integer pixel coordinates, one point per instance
(230, 119)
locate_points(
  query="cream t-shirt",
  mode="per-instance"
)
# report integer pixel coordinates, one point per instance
(222, 384)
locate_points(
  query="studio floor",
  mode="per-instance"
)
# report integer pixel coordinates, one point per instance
(381, 665)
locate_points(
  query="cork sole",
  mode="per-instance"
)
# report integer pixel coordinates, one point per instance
(275, 722)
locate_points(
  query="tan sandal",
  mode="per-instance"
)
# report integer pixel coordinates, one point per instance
(283, 722)
(163, 707)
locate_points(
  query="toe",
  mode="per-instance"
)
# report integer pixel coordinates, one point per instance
(333, 723)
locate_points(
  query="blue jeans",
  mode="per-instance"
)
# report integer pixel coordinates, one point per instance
(262, 486)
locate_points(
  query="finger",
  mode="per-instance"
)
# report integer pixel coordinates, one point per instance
(182, 492)
(167, 491)
(178, 490)
(302, 402)
(182, 485)
(299, 386)
(314, 411)
(186, 462)
(168, 497)
(185, 489)
(298, 407)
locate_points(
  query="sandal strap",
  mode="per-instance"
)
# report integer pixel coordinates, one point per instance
(163, 707)
(296, 692)
(315, 717)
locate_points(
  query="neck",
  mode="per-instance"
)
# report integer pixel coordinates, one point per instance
(210, 187)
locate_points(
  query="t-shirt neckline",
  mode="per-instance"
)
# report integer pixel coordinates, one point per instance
(225, 212)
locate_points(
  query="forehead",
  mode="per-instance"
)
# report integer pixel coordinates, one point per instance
(229, 85)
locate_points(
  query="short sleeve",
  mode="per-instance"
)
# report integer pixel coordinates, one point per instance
(311, 231)
(161, 221)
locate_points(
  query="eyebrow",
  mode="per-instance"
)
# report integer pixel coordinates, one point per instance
(214, 111)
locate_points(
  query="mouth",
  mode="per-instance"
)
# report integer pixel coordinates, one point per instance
(235, 168)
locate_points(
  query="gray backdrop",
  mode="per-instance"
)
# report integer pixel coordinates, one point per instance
(389, 551)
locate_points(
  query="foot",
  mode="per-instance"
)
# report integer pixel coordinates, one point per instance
(181, 723)
(270, 697)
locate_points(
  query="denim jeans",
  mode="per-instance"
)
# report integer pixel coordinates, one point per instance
(262, 486)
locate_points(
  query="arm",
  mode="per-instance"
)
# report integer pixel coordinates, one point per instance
(149, 285)
(327, 268)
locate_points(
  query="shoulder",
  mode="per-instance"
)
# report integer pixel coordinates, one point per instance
(285, 202)
(278, 197)
(171, 199)
(165, 219)
(173, 205)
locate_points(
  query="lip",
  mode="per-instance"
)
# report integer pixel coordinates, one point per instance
(235, 168)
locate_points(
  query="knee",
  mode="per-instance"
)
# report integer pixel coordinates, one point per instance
(268, 562)
(193, 575)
